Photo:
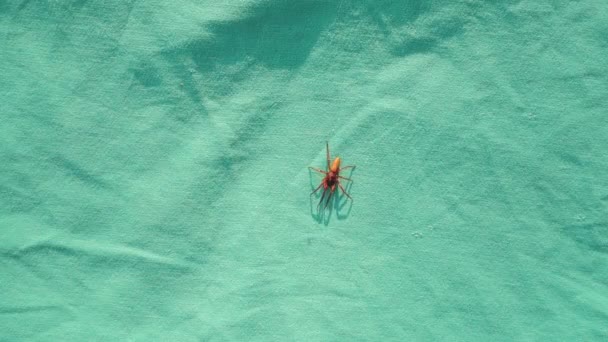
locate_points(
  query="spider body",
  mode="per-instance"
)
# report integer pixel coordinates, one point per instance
(331, 181)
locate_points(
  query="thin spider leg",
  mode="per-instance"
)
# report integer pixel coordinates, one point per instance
(347, 167)
(348, 179)
(331, 192)
(327, 144)
(317, 189)
(322, 197)
(344, 191)
(318, 170)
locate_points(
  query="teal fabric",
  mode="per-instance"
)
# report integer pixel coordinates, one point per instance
(154, 183)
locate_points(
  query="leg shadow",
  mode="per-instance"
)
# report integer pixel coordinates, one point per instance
(347, 201)
(318, 212)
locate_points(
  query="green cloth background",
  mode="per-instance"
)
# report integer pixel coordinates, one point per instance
(154, 181)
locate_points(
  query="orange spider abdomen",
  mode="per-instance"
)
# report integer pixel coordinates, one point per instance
(335, 166)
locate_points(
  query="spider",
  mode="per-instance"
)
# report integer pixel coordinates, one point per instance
(331, 180)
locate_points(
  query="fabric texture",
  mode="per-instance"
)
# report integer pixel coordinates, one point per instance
(154, 183)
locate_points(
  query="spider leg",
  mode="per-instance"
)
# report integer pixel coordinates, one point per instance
(327, 144)
(348, 167)
(318, 170)
(317, 189)
(344, 191)
(331, 192)
(348, 179)
(321, 200)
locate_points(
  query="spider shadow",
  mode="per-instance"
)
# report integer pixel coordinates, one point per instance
(322, 213)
